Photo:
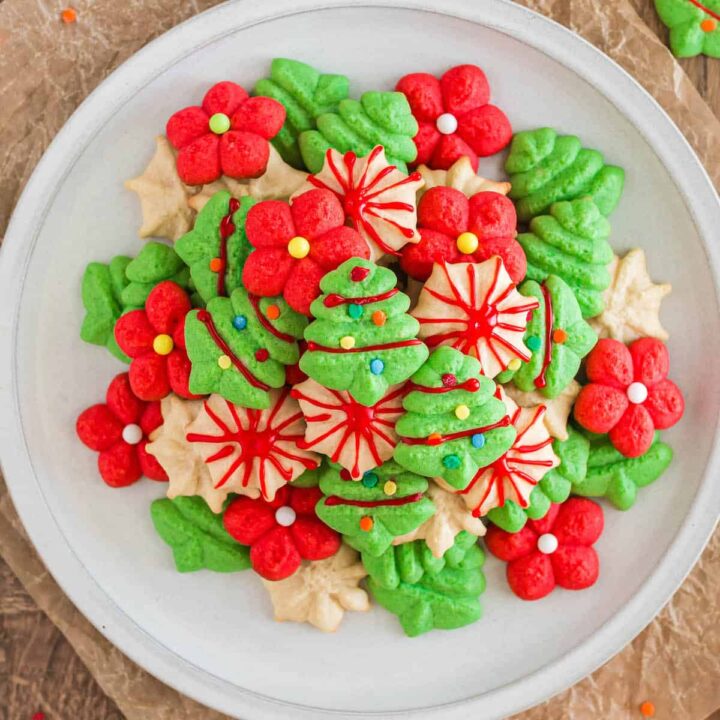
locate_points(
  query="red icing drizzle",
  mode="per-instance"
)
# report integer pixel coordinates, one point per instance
(314, 347)
(359, 273)
(255, 302)
(336, 500)
(333, 300)
(227, 228)
(504, 422)
(707, 10)
(541, 379)
(206, 319)
(471, 385)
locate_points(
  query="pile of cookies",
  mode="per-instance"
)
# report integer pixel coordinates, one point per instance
(347, 365)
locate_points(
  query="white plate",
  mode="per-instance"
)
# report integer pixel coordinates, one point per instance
(211, 636)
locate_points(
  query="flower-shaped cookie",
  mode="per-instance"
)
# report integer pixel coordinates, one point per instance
(556, 550)
(282, 532)
(454, 116)
(456, 229)
(378, 199)
(295, 245)
(629, 395)
(118, 429)
(227, 135)
(155, 340)
(320, 592)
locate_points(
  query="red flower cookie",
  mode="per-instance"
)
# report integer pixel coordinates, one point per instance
(456, 229)
(155, 340)
(283, 532)
(556, 550)
(629, 395)
(227, 135)
(295, 245)
(118, 430)
(454, 117)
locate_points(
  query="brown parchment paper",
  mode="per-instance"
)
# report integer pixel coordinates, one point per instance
(46, 69)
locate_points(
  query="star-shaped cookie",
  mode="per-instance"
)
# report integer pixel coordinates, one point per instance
(461, 177)
(557, 410)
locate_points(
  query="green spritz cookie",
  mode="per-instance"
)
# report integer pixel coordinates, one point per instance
(385, 503)
(571, 242)
(428, 593)
(362, 339)
(239, 346)
(612, 475)
(305, 94)
(197, 536)
(217, 246)
(694, 26)
(378, 118)
(155, 263)
(453, 425)
(557, 336)
(545, 167)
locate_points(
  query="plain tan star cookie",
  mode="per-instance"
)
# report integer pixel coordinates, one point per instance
(278, 182)
(163, 196)
(320, 592)
(236, 188)
(451, 517)
(557, 410)
(462, 177)
(632, 302)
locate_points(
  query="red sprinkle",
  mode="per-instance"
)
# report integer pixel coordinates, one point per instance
(449, 380)
(262, 355)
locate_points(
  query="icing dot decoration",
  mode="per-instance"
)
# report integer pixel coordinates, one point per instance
(647, 709)
(390, 487)
(216, 265)
(533, 343)
(514, 364)
(224, 362)
(434, 438)
(467, 243)
(462, 412)
(298, 247)
(547, 544)
(559, 336)
(355, 311)
(637, 393)
(132, 434)
(478, 440)
(370, 479)
(285, 516)
(366, 523)
(347, 342)
(451, 462)
(379, 318)
(377, 366)
(272, 312)
(359, 273)
(219, 123)
(262, 355)
(68, 15)
(163, 344)
(239, 322)
(446, 124)
(708, 25)
(449, 380)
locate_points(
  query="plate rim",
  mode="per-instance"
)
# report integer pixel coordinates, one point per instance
(537, 31)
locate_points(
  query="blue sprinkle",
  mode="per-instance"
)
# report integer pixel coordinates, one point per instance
(239, 322)
(377, 366)
(478, 440)
(451, 462)
(370, 479)
(355, 311)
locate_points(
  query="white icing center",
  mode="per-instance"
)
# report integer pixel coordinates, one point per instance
(132, 434)
(637, 393)
(446, 123)
(547, 544)
(285, 516)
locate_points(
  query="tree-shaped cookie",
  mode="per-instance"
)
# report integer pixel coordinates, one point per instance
(378, 118)
(305, 93)
(387, 502)
(445, 599)
(453, 425)
(362, 340)
(217, 247)
(558, 337)
(571, 242)
(545, 167)
(238, 347)
(554, 487)
(694, 26)
(618, 478)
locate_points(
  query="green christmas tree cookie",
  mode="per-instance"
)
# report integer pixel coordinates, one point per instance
(305, 94)
(545, 167)
(102, 287)
(571, 242)
(378, 118)
(453, 425)
(155, 263)
(238, 347)
(427, 593)
(217, 246)
(197, 536)
(694, 26)
(612, 475)
(386, 503)
(558, 337)
(554, 486)
(362, 340)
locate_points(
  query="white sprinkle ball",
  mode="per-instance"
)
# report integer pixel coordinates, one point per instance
(547, 544)
(446, 124)
(637, 393)
(132, 434)
(285, 516)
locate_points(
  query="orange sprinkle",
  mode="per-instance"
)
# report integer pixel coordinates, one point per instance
(559, 336)
(366, 523)
(216, 265)
(273, 312)
(434, 438)
(708, 25)
(68, 15)
(379, 317)
(647, 709)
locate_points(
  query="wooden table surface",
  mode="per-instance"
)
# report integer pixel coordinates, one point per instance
(39, 670)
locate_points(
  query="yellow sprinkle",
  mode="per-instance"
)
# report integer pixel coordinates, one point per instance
(462, 412)
(224, 362)
(347, 342)
(390, 488)
(298, 247)
(467, 243)
(514, 364)
(163, 344)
